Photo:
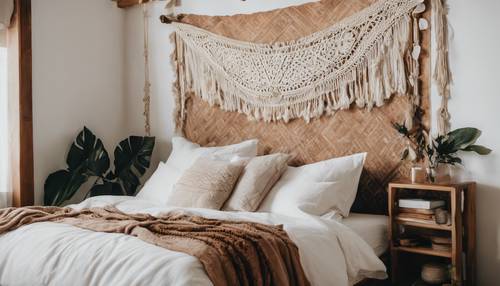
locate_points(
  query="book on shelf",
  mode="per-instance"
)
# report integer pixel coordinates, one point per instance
(417, 220)
(420, 203)
(417, 211)
(416, 215)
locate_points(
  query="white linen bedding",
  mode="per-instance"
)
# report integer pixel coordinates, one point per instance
(372, 229)
(58, 254)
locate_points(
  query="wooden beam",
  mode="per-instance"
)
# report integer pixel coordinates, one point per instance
(20, 105)
(129, 3)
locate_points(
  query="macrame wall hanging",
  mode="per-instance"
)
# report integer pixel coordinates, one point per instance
(364, 59)
(442, 74)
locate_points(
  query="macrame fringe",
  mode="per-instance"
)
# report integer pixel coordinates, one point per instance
(381, 73)
(442, 73)
(179, 113)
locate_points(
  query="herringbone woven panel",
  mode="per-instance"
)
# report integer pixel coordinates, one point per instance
(347, 132)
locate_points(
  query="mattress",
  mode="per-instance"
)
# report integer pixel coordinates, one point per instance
(372, 228)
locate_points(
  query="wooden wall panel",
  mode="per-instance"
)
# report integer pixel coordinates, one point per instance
(347, 132)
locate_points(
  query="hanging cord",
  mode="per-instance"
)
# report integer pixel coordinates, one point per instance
(147, 84)
(442, 73)
(414, 67)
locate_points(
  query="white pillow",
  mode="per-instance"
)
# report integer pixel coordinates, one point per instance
(317, 188)
(160, 184)
(184, 154)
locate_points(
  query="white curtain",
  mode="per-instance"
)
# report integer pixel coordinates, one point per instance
(6, 8)
(5, 194)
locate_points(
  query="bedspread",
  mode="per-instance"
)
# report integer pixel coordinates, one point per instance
(232, 252)
(49, 253)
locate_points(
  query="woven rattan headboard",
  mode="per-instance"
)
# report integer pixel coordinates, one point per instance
(346, 132)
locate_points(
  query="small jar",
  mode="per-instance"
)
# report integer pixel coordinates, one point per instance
(441, 216)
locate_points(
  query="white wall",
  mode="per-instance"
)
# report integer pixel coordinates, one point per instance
(475, 62)
(78, 74)
(476, 99)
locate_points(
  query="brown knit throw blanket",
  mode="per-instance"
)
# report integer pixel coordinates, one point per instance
(232, 252)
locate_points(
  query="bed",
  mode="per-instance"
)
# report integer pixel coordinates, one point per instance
(311, 202)
(371, 228)
(61, 254)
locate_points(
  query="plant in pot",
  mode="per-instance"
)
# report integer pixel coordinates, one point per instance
(88, 159)
(441, 150)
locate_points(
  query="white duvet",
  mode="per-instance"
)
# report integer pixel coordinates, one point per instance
(58, 254)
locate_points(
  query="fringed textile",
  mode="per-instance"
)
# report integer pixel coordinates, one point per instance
(362, 59)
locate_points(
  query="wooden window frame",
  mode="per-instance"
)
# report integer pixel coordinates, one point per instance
(20, 105)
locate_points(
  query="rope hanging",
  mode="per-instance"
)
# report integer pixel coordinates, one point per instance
(147, 84)
(170, 13)
(442, 73)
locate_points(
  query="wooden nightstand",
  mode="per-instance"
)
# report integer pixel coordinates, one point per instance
(460, 203)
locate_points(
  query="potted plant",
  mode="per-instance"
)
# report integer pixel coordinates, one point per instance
(88, 159)
(441, 150)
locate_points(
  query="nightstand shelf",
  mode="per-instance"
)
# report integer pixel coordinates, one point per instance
(405, 221)
(423, 250)
(460, 204)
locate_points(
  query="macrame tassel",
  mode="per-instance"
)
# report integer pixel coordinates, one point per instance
(178, 88)
(442, 73)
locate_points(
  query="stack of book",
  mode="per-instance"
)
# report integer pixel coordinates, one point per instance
(418, 210)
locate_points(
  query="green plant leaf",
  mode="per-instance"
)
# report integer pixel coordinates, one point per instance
(132, 158)
(401, 128)
(461, 138)
(98, 160)
(62, 185)
(405, 154)
(479, 149)
(54, 184)
(454, 160)
(107, 188)
(87, 157)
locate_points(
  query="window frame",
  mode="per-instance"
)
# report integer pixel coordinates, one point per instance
(20, 105)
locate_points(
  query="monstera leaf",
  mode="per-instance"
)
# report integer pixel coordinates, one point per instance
(107, 188)
(87, 157)
(132, 159)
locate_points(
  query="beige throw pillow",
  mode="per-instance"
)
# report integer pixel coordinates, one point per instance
(206, 184)
(257, 179)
